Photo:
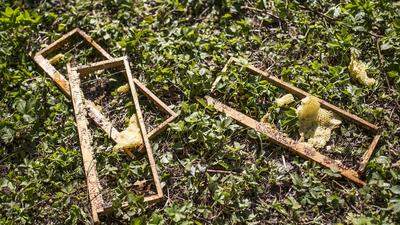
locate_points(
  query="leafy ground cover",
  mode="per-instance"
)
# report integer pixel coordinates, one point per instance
(213, 170)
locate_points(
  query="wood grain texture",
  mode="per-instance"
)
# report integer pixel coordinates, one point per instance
(101, 65)
(85, 140)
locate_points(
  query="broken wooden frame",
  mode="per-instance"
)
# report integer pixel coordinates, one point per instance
(116, 63)
(93, 112)
(302, 94)
(281, 139)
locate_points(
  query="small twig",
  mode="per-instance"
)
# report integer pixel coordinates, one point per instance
(263, 11)
(352, 206)
(220, 171)
(341, 186)
(168, 198)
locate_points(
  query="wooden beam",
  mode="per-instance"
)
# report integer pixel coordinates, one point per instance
(367, 155)
(160, 104)
(142, 126)
(56, 76)
(58, 43)
(85, 140)
(281, 139)
(101, 120)
(157, 130)
(91, 42)
(101, 65)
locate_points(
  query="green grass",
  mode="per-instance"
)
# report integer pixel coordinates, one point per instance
(177, 48)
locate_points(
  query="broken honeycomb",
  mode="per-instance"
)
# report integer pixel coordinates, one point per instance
(123, 89)
(284, 100)
(316, 124)
(130, 138)
(358, 71)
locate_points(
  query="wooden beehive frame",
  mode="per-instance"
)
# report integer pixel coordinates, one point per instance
(93, 112)
(293, 145)
(106, 64)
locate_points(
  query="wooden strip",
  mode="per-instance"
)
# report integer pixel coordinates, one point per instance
(101, 65)
(156, 131)
(161, 127)
(215, 83)
(101, 120)
(300, 93)
(89, 162)
(142, 126)
(59, 79)
(58, 43)
(281, 139)
(91, 42)
(367, 155)
(160, 104)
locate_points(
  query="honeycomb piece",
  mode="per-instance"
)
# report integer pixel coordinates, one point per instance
(123, 89)
(130, 138)
(316, 124)
(308, 110)
(320, 137)
(284, 100)
(358, 71)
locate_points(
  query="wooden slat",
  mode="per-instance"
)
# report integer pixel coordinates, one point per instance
(367, 155)
(161, 105)
(157, 130)
(91, 42)
(101, 65)
(142, 126)
(85, 139)
(101, 120)
(58, 43)
(300, 93)
(59, 79)
(161, 127)
(281, 139)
